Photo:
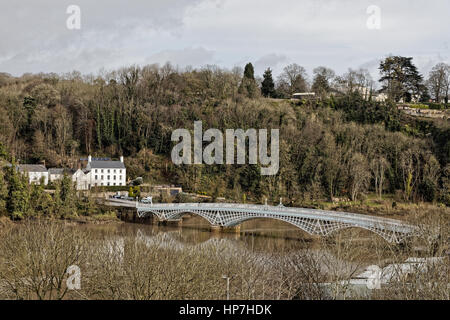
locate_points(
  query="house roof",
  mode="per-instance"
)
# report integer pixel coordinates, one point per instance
(32, 168)
(105, 165)
(55, 170)
(61, 171)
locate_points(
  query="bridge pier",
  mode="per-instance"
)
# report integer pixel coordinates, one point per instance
(129, 215)
(171, 223)
(234, 229)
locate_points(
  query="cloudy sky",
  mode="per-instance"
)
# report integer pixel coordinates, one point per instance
(34, 36)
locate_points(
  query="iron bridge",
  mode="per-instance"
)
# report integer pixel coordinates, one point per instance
(313, 221)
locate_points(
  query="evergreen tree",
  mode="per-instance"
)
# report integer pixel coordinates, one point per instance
(322, 80)
(268, 86)
(248, 85)
(3, 193)
(249, 71)
(18, 200)
(65, 198)
(401, 79)
(40, 201)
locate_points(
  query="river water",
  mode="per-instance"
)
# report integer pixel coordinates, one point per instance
(257, 236)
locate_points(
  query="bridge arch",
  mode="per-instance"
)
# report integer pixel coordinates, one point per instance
(233, 218)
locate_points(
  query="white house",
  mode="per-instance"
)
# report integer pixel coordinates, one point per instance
(105, 172)
(98, 172)
(55, 174)
(82, 179)
(36, 173)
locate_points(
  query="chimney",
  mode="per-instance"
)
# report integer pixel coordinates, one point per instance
(89, 158)
(121, 158)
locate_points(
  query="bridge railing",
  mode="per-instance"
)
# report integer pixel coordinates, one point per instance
(219, 206)
(343, 217)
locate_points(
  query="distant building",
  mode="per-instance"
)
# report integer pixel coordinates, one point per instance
(82, 179)
(303, 95)
(105, 172)
(55, 174)
(381, 97)
(37, 173)
(98, 172)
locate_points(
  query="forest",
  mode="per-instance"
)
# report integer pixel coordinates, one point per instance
(341, 144)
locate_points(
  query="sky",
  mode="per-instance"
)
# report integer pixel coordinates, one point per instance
(34, 36)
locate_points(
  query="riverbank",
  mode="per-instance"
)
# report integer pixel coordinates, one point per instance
(387, 207)
(100, 219)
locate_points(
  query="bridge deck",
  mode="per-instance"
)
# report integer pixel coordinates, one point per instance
(274, 210)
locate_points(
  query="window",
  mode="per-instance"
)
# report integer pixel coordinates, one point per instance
(108, 170)
(114, 177)
(114, 184)
(95, 170)
(108, 177)
(102, 170)
(102, 177)
(120, 177)
(96, 177)
(108, 184)
(114, 170)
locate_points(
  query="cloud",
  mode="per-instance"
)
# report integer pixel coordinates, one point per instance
(333, 33)
(182, 58)
(271, 60)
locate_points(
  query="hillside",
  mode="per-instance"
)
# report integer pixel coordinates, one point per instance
(340, 147)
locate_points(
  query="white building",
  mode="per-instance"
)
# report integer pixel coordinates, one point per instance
(381, 97)
(37, 173)
(303, 95)
(105, 172)
(55, 174)
(98, 172)
(82, 179)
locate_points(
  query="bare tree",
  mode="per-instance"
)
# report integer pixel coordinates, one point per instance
(293, 79)
(378, 167)
(439, 81)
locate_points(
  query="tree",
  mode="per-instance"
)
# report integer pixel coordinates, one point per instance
(400, 79)
(353, 81)
(293, 79)
(445, 191)
(3, 193)
(18, 201)
(428, 187)
(248, 86)
(439, 81)
(378, 166)
(322, 80)
(359, 175)
(409, 168)
(267, 85)
(65, 197)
